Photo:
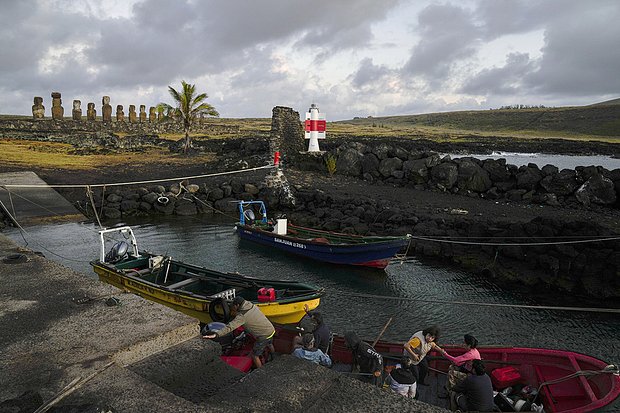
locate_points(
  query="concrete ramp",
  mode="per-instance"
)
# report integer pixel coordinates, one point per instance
(29, 200)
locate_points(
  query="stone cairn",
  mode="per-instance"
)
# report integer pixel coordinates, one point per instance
(106, 110)
(120, 115)
(91, 113)
(142, 114)
(38, 110)
(57, 109)
(132, 113)
(76, 114)
(152, 114)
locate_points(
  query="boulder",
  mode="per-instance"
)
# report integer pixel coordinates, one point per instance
(349, 163)
(562, 183)
(496, 168)
(370, 164)
(389, 165)
(598, 190)
(528, 177)
(445, 174)
(472, 177)
(416, 171)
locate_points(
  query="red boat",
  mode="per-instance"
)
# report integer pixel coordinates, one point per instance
(565, 381)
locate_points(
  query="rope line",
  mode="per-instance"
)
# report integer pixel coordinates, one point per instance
(514, 244)
(138, 182)
(481, 304)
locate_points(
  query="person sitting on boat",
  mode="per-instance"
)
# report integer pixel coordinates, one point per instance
(366, 358)
(321, 333)
(416, 349)
(475, 393)
(402, 380)
(462, 365)
(309, 352)
(246, 314)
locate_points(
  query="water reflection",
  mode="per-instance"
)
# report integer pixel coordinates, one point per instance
(212, 243)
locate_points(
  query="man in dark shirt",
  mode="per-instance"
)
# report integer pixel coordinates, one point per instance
(369, 361)
(321, 332)
(475, 393)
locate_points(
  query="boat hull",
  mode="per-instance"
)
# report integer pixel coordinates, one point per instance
(535, 366)
(373, 255)
(195, 305)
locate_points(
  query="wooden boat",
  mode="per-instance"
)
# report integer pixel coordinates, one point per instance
(326, 246)
(196, 291)
(565, 381)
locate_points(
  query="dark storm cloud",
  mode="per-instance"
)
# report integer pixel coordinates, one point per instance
(165, 41)
(580, 55)
(506, 80)
(368, 73)
(448, 34)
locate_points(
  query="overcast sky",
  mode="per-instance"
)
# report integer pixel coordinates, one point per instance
(352, 58)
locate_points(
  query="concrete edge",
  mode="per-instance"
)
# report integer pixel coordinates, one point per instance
(144, 349)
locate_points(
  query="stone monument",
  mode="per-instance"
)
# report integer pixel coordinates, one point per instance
(120, 115)
(76, 114)
(38, 110)
(91, 113)
(106, 110)
(57, 109)
(152, 114)
(142, 114)
(132, 113)
(160, 113)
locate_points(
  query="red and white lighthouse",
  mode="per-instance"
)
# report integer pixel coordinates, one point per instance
(315, 127)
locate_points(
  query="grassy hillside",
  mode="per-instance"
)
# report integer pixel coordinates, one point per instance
(601, 122)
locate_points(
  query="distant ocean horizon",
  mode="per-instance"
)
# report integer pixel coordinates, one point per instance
(541, 159)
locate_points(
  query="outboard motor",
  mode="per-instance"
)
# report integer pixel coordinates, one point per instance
(117, 253)
(229, 342)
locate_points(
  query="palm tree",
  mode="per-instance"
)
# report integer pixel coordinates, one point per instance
(188, 107)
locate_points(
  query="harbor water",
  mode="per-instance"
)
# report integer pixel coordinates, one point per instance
(542, 159)
(359, 299)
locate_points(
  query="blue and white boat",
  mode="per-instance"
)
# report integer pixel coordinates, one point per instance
(326, 246)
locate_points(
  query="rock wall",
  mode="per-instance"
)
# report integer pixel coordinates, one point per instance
(287, 135)
(582, 268)
(491, 179)
(181, 198)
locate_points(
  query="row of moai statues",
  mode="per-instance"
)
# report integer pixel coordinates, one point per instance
(38, 111)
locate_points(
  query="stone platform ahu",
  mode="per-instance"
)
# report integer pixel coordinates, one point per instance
(29, 200)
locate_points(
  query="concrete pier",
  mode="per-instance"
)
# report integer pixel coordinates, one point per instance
(35, 204)
(63, 338)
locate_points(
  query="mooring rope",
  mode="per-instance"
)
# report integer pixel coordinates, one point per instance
(514, 244)
(139, 182)
(482, 304)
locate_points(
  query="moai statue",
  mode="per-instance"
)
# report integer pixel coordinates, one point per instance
(91, 113)
(142, 114)
(120, 115)
(160, 113)
(132, 113)
(152, 114)
(106, 110)
(57, 109)
(38, 110)
(77, 110)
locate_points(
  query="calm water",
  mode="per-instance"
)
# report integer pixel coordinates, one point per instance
(206, 242)
(540, 159)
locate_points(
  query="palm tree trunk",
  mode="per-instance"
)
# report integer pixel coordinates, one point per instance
(187, 141)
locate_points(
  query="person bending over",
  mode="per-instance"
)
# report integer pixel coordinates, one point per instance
(254, 322)
(366, 358)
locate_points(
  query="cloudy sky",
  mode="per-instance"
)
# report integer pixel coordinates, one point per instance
(350, 57)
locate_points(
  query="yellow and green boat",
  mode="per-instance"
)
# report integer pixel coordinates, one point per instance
(196, 291)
